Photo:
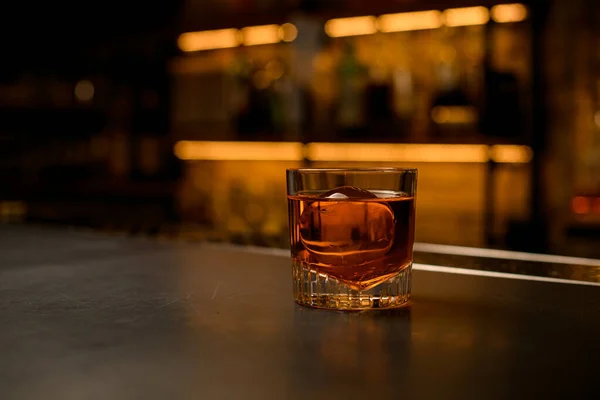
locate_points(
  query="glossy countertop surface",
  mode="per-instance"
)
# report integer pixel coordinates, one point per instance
(89, 316)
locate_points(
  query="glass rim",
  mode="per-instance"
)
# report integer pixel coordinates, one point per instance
(354, 170)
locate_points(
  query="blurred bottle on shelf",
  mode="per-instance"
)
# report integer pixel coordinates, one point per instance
(389, 93)
(287, 101)
(251, 99)
(379, 102)
(403, 98)
(240, 91)
(260, 104)
(303, 51)
(266, 100)
(501, 116)
(502, 109)
(282, 91)
(352, 78)
(452, 113)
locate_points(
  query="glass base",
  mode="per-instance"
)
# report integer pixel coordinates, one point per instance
(314, 289)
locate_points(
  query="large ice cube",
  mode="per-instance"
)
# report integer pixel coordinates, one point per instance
(347, 192)
(349, 231)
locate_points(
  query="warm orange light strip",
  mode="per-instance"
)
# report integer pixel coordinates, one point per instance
(466, 16)
(355, 26)
(511, 154)
(410, 21)
(351, 152)
(264, 34)
(227, 38)
(509, 12)
(208, 40)
(239, 151)
(387, 152)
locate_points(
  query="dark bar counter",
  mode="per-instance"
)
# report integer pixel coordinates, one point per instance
(89, 316)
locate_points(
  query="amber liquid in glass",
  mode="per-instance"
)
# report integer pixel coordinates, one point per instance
(361, 238)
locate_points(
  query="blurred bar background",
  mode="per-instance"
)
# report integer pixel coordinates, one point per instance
(177, 119)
